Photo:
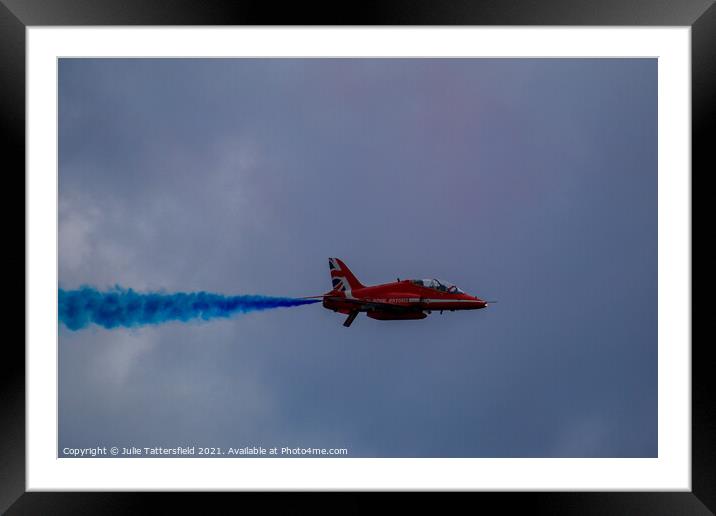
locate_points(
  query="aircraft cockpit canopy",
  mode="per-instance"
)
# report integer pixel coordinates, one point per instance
(442, 286)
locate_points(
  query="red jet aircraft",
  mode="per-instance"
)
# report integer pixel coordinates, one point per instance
(400, 300)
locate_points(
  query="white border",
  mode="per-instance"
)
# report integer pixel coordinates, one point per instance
(670, 471)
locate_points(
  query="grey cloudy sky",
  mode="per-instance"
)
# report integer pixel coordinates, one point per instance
(529, 181)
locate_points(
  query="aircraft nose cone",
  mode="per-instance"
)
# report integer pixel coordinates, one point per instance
(481, 303)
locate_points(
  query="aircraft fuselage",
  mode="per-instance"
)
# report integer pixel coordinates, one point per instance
(400, 300)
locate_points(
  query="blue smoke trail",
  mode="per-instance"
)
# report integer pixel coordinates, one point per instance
(125, 307)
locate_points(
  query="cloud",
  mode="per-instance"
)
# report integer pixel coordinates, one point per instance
(589, 436)
(118, 362)
(76, 224)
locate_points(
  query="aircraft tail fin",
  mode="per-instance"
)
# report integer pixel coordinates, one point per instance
(341, 276)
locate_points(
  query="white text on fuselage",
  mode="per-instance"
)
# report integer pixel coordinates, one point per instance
(395, 300)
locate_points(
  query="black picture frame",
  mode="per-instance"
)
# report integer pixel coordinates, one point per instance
(16, 15)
